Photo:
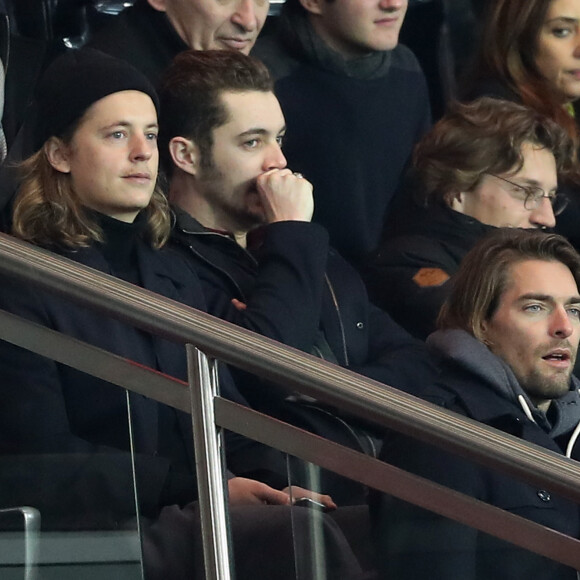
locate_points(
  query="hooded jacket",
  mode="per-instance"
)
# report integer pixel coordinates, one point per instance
(419, 544)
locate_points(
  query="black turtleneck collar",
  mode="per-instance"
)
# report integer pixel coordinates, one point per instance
(120, 244)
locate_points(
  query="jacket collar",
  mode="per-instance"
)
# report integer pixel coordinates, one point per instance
(158, 274)
(487, 387)
(439, 221)
(185, 222)
(186, 231)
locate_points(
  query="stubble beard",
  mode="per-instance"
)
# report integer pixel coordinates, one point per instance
(542, 386)
(234, 204)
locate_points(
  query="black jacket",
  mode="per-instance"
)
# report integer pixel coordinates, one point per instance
(72, 429)
(408, 276)
(297, 291)
(414, 543)
(300, 292)
(142, 36)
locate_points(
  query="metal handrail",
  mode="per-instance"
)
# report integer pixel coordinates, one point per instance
(334, 385)
(249, 351)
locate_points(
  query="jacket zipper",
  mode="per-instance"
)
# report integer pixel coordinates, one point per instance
(339, 316)
(215, 266)
(326, 278)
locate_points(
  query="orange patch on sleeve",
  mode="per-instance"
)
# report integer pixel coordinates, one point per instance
(426, 277)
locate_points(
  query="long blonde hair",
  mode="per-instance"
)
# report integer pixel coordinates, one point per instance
(47, 211)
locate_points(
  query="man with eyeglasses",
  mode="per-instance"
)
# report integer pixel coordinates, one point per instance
(486, 165)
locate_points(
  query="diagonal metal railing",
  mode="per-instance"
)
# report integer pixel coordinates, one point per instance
(348, 391)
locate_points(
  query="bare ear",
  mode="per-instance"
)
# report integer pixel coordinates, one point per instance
(58, 154)
(312, 6)
(456, 201)
(159, 5)
(185, 154)
(482, 335)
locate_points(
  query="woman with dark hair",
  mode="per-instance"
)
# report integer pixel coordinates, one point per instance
(529, 52)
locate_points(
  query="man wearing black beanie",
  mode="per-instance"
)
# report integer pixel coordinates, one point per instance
(107, 458)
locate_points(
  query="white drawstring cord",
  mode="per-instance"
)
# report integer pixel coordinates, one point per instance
(572, 441)
(526, 408)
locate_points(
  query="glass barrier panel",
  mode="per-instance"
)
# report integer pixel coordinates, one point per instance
(331, 531)
(303, 537)
(169, 514)
(373, 535)
(68, 501)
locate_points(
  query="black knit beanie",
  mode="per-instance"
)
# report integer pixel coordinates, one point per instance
(76, 80)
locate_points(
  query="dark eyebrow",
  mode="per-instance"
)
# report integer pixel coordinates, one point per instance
(534, 296)
(128, 124)
(547, 298)
(532, 182)
(254, 131)
(565, 19)
(260, 131)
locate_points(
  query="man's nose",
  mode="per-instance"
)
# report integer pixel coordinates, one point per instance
(275, 158)
(142, 147)
(577, 48)
(560, 324)
(392, 5)
(543, 215)
(245, 15)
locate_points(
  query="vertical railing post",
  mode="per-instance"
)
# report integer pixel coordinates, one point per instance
(203, 386)
(31, 538)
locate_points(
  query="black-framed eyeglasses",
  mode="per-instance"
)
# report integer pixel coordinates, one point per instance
(532, 196)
